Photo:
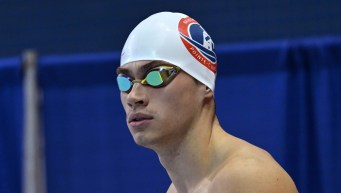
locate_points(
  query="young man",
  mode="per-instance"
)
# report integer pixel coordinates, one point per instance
(166, 78)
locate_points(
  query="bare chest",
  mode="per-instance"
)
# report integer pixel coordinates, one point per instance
(204, 187)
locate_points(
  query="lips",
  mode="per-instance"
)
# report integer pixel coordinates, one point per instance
(138, 119)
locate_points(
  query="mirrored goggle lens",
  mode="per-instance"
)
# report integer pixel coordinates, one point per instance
(154, 78)
(124, 83)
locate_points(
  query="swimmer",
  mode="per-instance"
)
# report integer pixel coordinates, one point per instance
(167, 79)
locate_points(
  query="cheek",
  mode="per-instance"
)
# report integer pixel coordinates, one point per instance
(177, 105)
(123, 97)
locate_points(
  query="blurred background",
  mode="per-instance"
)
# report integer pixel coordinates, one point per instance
(278, 87)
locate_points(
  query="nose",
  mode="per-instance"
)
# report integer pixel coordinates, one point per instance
(137, 96)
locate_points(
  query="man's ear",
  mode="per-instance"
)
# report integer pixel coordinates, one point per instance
(208, 93)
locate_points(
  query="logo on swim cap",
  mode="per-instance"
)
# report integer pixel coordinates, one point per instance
(198, 43)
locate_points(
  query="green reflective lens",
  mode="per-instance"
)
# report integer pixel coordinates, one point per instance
(124, 83)
(154, 78)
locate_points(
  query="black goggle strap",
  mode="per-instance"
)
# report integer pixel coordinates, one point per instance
(168, 75)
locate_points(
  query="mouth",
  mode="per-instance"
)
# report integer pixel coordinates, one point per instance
(136, 120)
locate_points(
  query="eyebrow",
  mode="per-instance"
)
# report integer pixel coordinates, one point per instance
(143, 69)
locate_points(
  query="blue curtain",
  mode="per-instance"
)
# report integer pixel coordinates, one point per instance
(11, 118)
(284, 96)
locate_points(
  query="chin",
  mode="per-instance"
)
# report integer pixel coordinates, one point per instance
(147, 141)
(142, 140)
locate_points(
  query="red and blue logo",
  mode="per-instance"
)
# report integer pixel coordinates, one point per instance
(198, 43)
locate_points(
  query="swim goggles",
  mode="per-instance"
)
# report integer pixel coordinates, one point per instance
(156, 77)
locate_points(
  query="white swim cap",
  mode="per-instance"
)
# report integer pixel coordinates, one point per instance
(177, 39)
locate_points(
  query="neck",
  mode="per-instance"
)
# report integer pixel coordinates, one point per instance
(191, 161)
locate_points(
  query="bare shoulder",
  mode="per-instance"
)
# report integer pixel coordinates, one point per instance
(252, 169)
(171, 189)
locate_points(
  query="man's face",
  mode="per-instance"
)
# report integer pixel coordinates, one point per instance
(160, 116)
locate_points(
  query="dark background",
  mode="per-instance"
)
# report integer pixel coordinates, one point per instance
(63, 27)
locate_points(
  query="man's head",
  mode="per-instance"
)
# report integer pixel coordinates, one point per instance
(177, 39)
(167, 75)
